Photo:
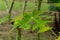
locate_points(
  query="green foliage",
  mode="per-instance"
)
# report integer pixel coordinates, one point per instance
(24, 21)
(57, 4)
(53, 1)
(55, 7)
(5, 18)
(33, 16)
(2, 5)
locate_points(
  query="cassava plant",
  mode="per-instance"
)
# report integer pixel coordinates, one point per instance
(29, 16)
(39, 7)
(16, 22)
(23, 20)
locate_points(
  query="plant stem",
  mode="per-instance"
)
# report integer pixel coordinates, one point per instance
(39, 6)
(19, 34)
(25, 6)
(11, 10)
(38, 35)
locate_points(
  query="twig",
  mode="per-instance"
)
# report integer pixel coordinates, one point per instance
(18, 34)
(53, 33)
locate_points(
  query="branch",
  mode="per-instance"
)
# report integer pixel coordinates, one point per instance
(53, 33)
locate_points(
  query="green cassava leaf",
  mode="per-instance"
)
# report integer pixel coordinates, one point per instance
(41, 24)
(25, 19)
(44, 29)
(17, 18)
(34, 13)
(24, 23)
(16, 21)
(42, 10)
(35, 26)
(15, 25)
(27, 26)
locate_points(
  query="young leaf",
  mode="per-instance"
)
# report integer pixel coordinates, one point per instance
(41, 25)
(44, 29)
